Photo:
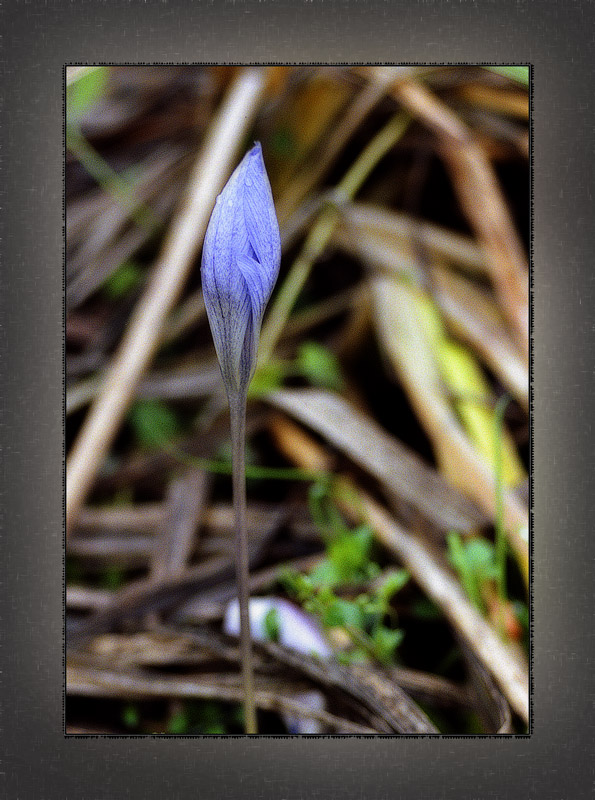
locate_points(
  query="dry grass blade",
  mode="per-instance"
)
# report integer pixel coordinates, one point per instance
(489, 702)
(505, 102)
(397, 244)
(431, 689)
(270, 694)
(412, 356)
(83, 598)
(392, 228)
(473, 177)
(171, 270)
(310, 176)
(99, 552)
(474, 317)
(388, 694)
(398, 469)
(370, 689)
(381, 696)
(371, 693)
(108, 240)
(138, 518)
(149, 595)
(165, 592)
(174, 543)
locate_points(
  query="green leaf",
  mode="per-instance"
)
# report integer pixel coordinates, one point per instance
(325, 574)
(297, 585)
(515, 73)
(178, 723)
(385, 642)
(272, 625)
(475, 561)
(82, 92)
(131, 716)
(481, 557)
(343, 613)
(458, 558)
(267, 377)
(319, 366)
(113, 578)
(127, 277)
(350, 554)
(154, 423)
(392, 584)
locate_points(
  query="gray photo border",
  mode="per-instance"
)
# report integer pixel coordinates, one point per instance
(39, 39)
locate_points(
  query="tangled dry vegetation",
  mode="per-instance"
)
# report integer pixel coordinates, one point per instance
(388, 424)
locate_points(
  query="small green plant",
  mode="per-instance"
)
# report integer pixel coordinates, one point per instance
(348, 562)
(476, 565)
(313, 361)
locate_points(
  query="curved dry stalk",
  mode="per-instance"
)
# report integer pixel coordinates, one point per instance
(270, 695)
(171, 270)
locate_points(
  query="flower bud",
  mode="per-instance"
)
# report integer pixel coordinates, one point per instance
(240, 264)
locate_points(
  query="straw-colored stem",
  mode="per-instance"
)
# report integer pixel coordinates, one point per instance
(173, 266)
(322, 231)
(237, 410)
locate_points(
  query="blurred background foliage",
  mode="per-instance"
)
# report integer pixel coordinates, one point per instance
(388, 424)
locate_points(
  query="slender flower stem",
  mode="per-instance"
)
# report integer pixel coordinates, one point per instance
(237, 407)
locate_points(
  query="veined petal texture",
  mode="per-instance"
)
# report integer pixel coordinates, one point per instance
(240, 264)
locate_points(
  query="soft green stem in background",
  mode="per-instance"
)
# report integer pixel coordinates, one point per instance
(499, 412)
(237, 408)
(252, 471)
(106, 177)
(322, 230)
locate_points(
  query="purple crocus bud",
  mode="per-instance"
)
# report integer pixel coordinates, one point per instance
(240, 264)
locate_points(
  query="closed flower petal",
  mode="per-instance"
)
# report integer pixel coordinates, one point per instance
(240, 264)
